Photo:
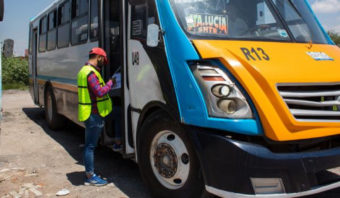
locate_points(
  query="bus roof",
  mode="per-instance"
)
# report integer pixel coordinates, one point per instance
(42, 12)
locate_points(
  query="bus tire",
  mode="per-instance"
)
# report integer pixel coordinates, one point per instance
(54, 120)
(167, 161)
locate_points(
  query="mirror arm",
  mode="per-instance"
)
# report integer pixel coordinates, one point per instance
(162, 32)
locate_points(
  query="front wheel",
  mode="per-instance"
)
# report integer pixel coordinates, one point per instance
(167, 161)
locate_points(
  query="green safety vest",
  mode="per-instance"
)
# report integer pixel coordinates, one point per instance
(104, 103)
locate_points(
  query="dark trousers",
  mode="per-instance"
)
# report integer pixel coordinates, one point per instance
(93, 129)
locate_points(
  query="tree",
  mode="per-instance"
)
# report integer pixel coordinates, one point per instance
(335, 37)
(14, 73)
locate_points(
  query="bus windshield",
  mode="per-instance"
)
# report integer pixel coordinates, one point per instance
(272, 20)
(301, 21)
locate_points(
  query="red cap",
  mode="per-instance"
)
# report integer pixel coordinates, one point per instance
(100, 52)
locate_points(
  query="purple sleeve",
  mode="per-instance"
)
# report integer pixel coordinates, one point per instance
(96, 88)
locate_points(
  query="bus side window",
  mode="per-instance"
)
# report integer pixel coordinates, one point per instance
(79, 27)
(64, 25)
(30, 40)
(42, 34)
(141, 16)
(94, 21)
(52, 32)
(138, 21)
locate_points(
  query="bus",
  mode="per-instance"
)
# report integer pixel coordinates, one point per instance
(230, 98)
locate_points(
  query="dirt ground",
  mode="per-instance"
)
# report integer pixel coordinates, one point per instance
(38, 162)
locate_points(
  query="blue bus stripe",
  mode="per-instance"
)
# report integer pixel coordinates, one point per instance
(57, 79)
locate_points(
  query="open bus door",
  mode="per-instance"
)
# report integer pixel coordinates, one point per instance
(35, 87)
(112, 37)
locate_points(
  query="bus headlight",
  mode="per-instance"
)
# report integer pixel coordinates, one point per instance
(228, 106)
(221, 90)
(222, 95)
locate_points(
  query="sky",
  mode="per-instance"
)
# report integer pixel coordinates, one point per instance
(19, 12)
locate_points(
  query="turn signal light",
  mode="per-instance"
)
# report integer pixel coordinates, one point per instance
(213, 78)
(267, 185)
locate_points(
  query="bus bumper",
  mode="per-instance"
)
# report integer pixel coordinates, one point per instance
(230, 168)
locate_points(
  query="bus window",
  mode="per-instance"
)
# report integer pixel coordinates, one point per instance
(64, 25)
(230, 20)
(42, 34)
(141, 16)
(30, 40)
(138, 21)
(79, 25)
(94, 20)
(302, 24)
(52, 32)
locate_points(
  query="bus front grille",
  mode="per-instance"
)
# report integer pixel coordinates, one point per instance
(312, 102)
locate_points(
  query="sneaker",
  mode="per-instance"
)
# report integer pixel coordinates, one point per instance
(117, 147)
(95, 181)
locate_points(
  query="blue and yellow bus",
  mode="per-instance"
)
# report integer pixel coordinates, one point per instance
(232, 98)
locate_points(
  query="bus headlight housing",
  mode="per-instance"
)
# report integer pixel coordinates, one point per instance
(223, 97)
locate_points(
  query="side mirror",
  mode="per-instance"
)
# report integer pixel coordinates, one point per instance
(152, 35)
(1, 10)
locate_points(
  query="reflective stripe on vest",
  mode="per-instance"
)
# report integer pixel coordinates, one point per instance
(104, 103)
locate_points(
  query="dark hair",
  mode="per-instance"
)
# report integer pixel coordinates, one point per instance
(92, 56)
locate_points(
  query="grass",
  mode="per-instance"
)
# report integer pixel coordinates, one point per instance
(19, 86)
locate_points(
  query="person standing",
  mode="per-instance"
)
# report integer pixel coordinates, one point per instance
(94, 105)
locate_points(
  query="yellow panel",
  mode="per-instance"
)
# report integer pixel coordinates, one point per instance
(271, 63)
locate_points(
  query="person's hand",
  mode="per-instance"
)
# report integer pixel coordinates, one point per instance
(114, 82)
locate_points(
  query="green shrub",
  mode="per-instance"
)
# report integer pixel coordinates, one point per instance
(14, 72)
(19, 86)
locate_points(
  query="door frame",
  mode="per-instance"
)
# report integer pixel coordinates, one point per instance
(34, 65)
(125, 16)
(128, 149)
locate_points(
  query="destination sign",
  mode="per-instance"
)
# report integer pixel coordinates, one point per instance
(207, 24)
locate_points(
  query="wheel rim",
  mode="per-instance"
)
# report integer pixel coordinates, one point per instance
(49, 107)
(169, 160)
